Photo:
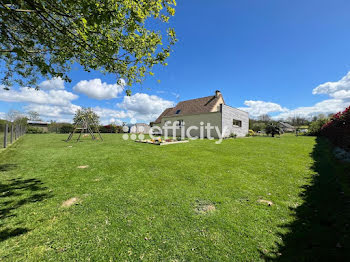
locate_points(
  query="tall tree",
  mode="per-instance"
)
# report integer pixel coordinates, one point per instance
(88, 115)
(12, 115)
(34, 116)
(264, 118)
(45, 37)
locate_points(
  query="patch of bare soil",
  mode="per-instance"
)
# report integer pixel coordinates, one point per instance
(204, 207)
(269, 203)
(70, 202)
(82, 167)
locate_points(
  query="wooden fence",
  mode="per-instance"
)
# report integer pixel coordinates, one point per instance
(11, 132)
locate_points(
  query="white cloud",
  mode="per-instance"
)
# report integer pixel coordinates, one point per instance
(339, 93)
(330, 88)
(54, 83)
(326, 107)
(257, 108)
(145, 107)
(98, 90)
(58, 113)
(30, 95)
(111, 113)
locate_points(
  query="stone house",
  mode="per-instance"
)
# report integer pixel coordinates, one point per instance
(197, 113)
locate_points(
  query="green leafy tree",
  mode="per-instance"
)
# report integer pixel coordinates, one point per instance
(258, 126)
(45, 37)
(272, 129)
(86, 114)
(315, 126)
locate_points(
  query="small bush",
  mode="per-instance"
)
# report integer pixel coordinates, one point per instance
(66, 128)
(233, 135)
(315, 126)
(272, 129)
(35, 130)
(108, 129)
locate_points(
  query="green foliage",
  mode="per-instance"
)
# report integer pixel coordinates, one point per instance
(315, 126)
(122, 37)
(86, 114)
(272, 129)
(110, 129)
(258, 126)
(233, 135)
(34, 130)
(66, 128)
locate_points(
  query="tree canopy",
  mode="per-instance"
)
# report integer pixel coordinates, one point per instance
(46, 37)
(86, 114)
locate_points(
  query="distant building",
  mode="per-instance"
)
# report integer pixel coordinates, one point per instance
(140, 128)
(286, 128)
(39, 124)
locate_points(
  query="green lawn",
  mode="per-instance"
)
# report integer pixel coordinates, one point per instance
(140, 201)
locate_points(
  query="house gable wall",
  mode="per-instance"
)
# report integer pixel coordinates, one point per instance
(214, 118)
(216, 107)
(228, 115)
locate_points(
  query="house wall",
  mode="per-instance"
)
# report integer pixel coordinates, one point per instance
(216, 108)
(214, 118)
(228, 115)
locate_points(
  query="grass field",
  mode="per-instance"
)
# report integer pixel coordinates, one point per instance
(185, 202)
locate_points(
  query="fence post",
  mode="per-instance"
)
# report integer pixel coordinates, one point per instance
(5, 135)
(15, 132)
(11, 133)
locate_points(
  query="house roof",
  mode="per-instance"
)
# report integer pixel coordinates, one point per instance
(193, 106)
(31, 122)
(286, 125)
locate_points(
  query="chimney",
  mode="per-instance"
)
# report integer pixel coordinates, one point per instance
(217, 93)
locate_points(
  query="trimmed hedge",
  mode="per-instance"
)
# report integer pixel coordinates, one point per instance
(337, 130)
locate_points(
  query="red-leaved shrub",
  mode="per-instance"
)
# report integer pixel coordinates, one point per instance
(337, 129)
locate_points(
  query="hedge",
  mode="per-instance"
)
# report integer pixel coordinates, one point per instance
(337, 130)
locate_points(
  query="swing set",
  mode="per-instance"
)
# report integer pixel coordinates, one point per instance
(83, 125)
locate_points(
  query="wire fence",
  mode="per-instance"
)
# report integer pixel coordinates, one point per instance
(10, 132)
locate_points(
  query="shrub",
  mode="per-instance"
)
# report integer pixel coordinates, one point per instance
(66, 128)
(34, 130)
(108, 129)
(337, 130)
(258, 127)
(315, 126)
(233, 135)
(272, 129)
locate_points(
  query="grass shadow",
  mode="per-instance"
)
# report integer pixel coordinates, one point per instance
(321, 230)
(14, 194)
(7, 167)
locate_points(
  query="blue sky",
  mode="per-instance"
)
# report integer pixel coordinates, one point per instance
(285, 58)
